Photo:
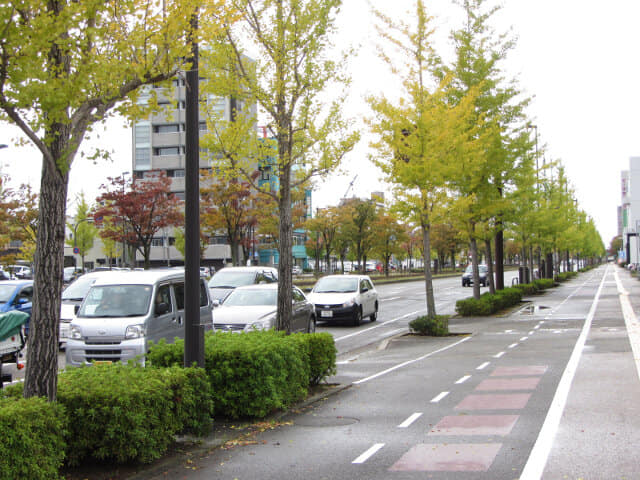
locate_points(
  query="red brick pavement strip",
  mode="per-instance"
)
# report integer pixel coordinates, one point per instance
(496, 384)
(466, 457)
(519, 371)
(475, 425)
(515, 401)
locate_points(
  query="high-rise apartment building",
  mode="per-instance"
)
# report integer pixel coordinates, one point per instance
(159, 144)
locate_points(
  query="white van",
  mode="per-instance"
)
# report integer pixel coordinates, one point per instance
(123, 312)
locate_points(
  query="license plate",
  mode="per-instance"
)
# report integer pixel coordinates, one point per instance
(102, 362)
(326, 313)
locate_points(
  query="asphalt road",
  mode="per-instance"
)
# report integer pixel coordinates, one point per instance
(543, 392)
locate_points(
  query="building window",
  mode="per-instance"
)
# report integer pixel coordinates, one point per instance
(178, 173)
(169, 128)
(164, 151)
(143, 158)
(157, 242)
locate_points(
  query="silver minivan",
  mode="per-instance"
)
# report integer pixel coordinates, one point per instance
(122, 313)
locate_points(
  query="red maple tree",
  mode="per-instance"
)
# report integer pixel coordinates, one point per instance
(135, 214)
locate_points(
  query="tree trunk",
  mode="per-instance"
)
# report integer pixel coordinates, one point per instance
(492, 287)
(41, 379)
(473, 250)
(499, 249)
(428, 276)
(285, 280)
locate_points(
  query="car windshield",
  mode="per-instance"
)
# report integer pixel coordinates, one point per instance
(116, 301)
(78, 289)
(252, 297)
(6, 292)
(481, 269)
(231, 279)
(336, 285)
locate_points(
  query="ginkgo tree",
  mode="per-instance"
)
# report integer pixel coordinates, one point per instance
(288, 77)
(64, 66)
(420, 138)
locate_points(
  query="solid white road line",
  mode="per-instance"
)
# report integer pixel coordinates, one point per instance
(360, 332)
(404, 364)
(463, 379)
(630, 320)
(483, 366)
(534, 467)
(369, 453)
(439, 397)
(410, 420)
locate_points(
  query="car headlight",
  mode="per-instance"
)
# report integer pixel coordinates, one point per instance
(263, 324)
(349, 303)
(134, 331)
(75, 333)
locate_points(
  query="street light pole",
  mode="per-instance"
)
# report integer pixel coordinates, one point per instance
(124, 232)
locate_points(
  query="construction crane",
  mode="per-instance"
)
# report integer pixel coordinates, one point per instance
(349, 187)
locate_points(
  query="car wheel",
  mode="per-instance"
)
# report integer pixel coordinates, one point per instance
(357, 316)
(374, 316)
(311, 328)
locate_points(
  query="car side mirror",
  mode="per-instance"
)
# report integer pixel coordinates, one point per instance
(162, 308)
(22, 301)
(307, 290)
(215, 303)
(364, 289)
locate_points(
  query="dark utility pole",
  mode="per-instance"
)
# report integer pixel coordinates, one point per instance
(193, 334)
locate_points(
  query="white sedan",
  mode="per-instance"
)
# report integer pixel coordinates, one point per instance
(345, 297)
(254, 307)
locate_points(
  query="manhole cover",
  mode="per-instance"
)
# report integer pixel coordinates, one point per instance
(318, 421)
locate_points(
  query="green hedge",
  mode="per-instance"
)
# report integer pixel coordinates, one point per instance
(254, 373)
(437, 326)
(32, 432)
(126, 413)
(488, 304)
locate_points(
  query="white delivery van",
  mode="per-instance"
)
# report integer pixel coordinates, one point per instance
(122, 312)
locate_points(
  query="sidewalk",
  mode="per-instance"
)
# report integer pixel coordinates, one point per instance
(599, 428)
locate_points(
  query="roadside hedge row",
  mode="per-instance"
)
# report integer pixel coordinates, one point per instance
(268, 370)
(129, 413)
(489, 304)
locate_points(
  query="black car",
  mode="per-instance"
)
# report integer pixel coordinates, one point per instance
(483, 272)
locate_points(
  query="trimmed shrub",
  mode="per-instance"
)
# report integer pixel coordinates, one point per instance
(437, 326)
(32, 432)
(564, 276)
(544, 283)
(128, 413)
(251, 374)
(321, 351)
(488, 304)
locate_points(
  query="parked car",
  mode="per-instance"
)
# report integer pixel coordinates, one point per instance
(123, 312)
(72, 298)
(467, 276)
(17, 295)
(254, 307)
(296, 270)
(4, 275)
(228, 278)
(345, 297)
(21, 272)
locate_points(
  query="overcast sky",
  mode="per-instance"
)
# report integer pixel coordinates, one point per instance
(577, 58)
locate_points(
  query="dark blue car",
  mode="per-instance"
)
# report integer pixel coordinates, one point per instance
(16, 295)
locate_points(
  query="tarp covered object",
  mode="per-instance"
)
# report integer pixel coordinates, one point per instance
(11, 322)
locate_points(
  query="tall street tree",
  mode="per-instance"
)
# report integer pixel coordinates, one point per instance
(289, 79)
(64, 66)
(144, 209)
(420, 138)
(499, 108)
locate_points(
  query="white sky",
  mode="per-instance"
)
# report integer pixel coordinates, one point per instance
(578, 58)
